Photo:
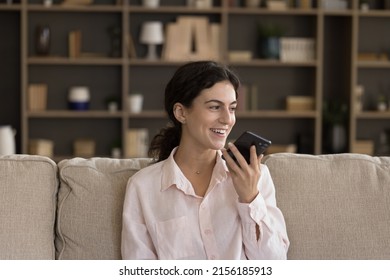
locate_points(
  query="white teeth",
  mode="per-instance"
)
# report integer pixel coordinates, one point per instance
(219, 131)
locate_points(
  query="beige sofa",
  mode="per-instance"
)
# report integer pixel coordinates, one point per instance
(335, 206)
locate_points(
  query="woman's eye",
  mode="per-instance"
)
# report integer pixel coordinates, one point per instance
(216, 107)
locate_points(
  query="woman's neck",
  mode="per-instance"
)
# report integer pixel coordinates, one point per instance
(192, 161)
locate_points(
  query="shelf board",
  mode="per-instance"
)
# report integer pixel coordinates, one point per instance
(373, 64)
(74, 114)
(148, 114)
(273, 63)
(373, 115)
(264, 11)
(374, 13)
(254, 62)
(174, 9)
(59, 60)
(74, 8)
(153, 114)
(275, 114)
(10, 7)
(158, 62)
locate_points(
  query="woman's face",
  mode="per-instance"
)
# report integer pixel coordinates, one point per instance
(211, 117)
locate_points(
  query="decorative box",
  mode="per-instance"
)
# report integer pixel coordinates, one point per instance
(300, 103)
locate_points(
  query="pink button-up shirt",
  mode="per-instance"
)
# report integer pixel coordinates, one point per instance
(163, 218)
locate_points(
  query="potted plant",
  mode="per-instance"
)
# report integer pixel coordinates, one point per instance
(335, 115)
(269, 35)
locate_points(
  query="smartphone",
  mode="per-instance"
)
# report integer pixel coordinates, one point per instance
(248, 139)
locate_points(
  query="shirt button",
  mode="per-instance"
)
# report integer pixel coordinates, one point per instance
(212, 257)
(208, 231)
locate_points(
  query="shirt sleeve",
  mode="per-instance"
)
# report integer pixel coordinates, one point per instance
(136, 241)
(273, 241)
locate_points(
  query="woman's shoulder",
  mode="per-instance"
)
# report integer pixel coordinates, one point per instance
(149, 171)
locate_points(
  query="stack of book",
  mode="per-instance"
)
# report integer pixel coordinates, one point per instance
(247, 98)
(300, 103)
(192, 38)
(37, 97)
(297, 49)
(137, 143)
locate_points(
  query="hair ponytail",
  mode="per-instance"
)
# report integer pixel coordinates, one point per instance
(164, 142)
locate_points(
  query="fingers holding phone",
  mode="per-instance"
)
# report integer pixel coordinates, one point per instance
(243, 160)
(245, 176)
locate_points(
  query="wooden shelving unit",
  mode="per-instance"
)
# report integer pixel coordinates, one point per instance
(118, 76)
(367, 37)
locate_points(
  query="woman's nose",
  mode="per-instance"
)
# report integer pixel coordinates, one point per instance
(227, 116)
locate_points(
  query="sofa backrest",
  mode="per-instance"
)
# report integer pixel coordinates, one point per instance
(90, 202)
(335, 206)
(28, 199)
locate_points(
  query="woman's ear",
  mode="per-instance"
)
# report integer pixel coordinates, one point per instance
(179, 112)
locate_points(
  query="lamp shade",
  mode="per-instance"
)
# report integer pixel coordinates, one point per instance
(152, 32)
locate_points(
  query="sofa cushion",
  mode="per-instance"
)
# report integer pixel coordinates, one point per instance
(90, 202)
(28, 189)
(335, 206)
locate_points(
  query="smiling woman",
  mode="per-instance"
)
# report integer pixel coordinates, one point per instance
(191, 203)
(187, 83)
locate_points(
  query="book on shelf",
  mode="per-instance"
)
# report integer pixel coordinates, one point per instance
(130, 46)
(37, 97)
(242, 98)
(74, 43)
(137, 143)
(253, 106)
(300, 103)
(216, 41)
(277, 5)
(247, 98)
(171, 45)
(240, 56)
(297, 49)
(192, 38)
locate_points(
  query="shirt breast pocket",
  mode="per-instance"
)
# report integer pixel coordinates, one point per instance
(174, 239)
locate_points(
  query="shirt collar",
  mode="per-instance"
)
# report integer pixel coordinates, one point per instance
(173, 176)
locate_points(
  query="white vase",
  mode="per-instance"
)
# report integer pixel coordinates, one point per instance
(7, 140)
(338, 138)
(135, 102)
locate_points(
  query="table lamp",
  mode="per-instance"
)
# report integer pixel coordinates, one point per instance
(152, 35)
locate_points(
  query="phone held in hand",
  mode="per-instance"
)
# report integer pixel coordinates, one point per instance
(248, 139)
